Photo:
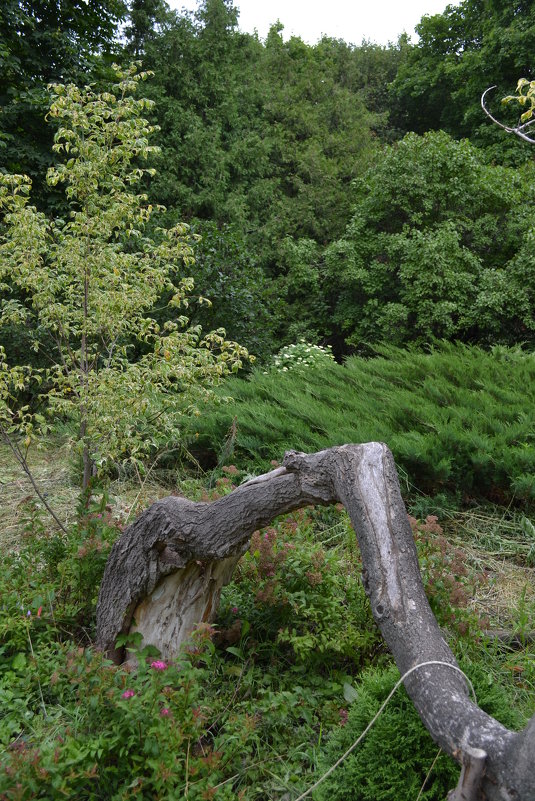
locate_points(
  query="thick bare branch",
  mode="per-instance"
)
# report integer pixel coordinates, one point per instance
(166, 572)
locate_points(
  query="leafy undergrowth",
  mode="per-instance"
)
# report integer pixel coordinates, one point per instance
(259, 703)
(458, 419)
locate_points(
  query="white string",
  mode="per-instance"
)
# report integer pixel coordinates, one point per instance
(433, 763)
(381, 708)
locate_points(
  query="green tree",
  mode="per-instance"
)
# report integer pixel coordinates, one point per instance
(207, 107)
(144, 17)
(437, 248)
(367, 70)
(265, 137)
(318, 131)
(92, 280)
(476, 44)
(243, 301)
(41, 42)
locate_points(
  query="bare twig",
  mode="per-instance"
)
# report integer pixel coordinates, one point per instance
(21, 459)
(518, 130)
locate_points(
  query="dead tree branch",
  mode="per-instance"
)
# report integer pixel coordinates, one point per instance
(166, 571)
(518, 130)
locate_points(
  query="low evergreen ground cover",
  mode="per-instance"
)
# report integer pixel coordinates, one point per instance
(459, 420)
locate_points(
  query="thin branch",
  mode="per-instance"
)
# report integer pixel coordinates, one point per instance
(21, 459)
(518, 130)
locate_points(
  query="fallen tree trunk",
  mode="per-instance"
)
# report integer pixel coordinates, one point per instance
(166, 572)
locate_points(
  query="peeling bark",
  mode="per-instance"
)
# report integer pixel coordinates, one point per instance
(166, 572)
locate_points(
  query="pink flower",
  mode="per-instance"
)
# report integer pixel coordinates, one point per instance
(165, 712)
(39, 611)
(234, 610)
(158, 665)
(128, 694)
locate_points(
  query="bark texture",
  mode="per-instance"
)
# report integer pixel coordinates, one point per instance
(167, 570)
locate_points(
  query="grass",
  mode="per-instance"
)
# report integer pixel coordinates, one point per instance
(53, 470)
(496, 543)
(50, 468)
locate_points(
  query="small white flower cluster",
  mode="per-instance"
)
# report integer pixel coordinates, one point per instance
(300, 355)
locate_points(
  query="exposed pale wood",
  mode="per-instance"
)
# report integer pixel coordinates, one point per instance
(167, 569)
(473, 769)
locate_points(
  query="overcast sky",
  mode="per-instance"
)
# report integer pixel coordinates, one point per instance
(379, 21)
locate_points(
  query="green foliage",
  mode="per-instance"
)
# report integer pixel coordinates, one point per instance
(261, 143)
(92, 281)
(461, 52)
(438, 247)
(111, 734)
(15, 418)
(448, 583)
(294, 592)
(41, 42)
(372, 772)
(525, 96)
(265, 136)
(68, 574)
(253, 707)
(241, 299)
(269, 137)
(144, 16)
(244, 715)
(318, 132)
(456, 418)
(368, 69)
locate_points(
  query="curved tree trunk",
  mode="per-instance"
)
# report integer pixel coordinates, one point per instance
(166, 572)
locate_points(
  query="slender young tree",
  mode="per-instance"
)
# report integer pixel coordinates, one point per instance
(92, 280)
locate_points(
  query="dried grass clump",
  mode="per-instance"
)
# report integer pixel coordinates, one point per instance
(52, 473)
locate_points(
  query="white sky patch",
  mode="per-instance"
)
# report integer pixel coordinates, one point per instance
(380, 21)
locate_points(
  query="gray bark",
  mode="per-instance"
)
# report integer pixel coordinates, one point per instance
(166, 572)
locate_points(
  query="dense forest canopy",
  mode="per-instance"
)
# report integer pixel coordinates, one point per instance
(316, 217)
